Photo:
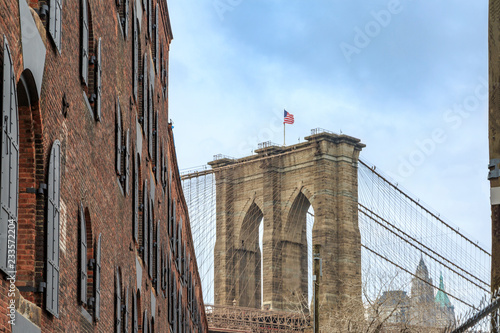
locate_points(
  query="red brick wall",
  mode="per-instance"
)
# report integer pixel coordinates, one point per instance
(88, 173)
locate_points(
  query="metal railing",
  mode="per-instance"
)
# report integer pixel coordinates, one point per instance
(486, 318)
(267, 144)
(254, 320)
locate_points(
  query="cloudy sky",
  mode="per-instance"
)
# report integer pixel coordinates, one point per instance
(409, 78)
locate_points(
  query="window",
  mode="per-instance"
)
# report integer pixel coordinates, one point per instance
(156, 149)
(90, 62)
(156, 57)
(122, 148)
(150, 237)
(135, 323)
(90, 266)
(136, 198)
(123, 12)
(10, 166)
(55, 22)
(143, 119)
(145, 223)
(135, 55)
(157, 260)
(118, 302)
(53, 211)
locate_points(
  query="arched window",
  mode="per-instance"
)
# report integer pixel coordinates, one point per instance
(90, 61)
(90, 266)
(122, 148)
(122, 7)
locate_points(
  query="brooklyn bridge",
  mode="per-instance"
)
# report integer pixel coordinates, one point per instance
(312, 236)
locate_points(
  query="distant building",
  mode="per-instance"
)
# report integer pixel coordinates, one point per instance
(422, 309)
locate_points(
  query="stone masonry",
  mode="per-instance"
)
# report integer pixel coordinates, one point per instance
(277, 186)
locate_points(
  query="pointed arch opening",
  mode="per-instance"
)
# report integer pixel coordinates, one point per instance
(249, 260)
(297, 255)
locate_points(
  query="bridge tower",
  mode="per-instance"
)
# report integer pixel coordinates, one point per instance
(277, 185)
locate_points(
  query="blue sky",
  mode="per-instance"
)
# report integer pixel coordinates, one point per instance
(409, 78)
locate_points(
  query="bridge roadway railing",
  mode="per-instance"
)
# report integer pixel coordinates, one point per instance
(226, 318)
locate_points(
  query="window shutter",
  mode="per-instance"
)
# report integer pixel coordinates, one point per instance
(171, 284)
(174, 306)
(136, 198)
(135, 57)
(85, 43)
(145, 223)
(145, 94)
(127, 161)
(145, 321)
(135, 324)
(118, 303)
(157, 148)
(97, 276)
(179, 245)
(158, 259)
(55, 22)
(157, 58)
(98, 80)
(83, 257)
(10, 163)
(179, 310)
(118, 138)
(125, 315)
(151, 239)
(125, 24)
(150, 19)
(150, 120)
(174, 230)
(53, 209)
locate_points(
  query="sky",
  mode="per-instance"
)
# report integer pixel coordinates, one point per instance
(408, 78)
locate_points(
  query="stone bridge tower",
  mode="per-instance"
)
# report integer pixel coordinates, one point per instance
(277, 185)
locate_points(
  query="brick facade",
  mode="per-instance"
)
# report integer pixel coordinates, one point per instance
(54, 103)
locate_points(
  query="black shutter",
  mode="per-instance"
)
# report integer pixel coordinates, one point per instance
(157, 148)
(145, 223)
(136, 198)
(125, 315)
(158, 259)
(150, 19)
(118, 303)
(53, 210)
(97, 277)
(10, 164)
(98, 80)
(135, 56)
(127, 161)
(157, 58)
(83, 257)
(150, 120)
(135, 324)
(55, 22)
(145, 94)
(151, 239)
(85, 43)
(126, 14)
(119, 140)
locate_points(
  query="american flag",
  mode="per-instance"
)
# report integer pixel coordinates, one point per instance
(288, 118)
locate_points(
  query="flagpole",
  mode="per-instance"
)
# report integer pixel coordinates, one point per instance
(284, 133)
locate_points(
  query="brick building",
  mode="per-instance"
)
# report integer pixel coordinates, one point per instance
(92, 219)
